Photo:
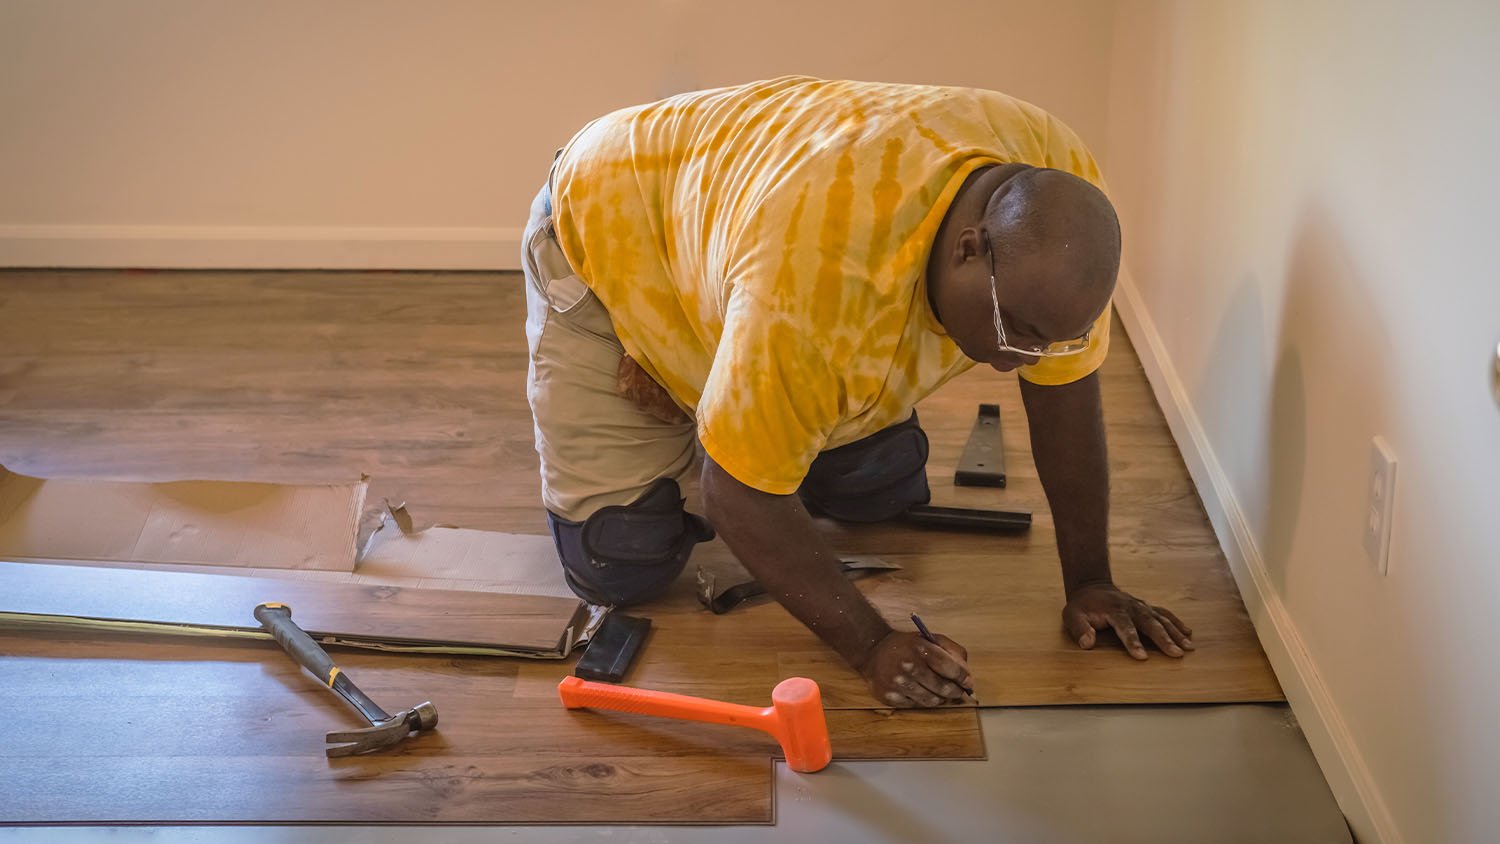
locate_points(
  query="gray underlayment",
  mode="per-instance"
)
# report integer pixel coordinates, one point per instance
(1055, 775)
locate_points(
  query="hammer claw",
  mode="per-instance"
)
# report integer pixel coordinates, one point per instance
(352, 742)
(391, 731)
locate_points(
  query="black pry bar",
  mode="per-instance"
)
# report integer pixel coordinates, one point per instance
(965, 518)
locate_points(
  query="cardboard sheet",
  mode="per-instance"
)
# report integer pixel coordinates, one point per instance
(443, 557)
(222, 523)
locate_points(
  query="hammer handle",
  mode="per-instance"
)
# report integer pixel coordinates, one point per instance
(277, 619)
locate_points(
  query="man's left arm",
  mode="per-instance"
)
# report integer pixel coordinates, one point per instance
(1067, 442)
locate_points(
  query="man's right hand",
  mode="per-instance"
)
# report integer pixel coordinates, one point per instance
(780, 546)
(904, 670)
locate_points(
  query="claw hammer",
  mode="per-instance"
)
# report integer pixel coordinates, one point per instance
(385, 729)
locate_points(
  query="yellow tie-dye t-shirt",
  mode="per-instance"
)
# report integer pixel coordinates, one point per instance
(761, 250)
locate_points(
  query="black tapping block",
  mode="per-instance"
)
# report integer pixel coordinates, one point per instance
(613, 648)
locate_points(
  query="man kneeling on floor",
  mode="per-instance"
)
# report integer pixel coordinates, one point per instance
(780, 272)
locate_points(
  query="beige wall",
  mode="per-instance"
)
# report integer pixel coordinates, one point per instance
(1308, 195)
(360, 133)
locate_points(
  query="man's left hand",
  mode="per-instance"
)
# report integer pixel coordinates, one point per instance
(1103, 606)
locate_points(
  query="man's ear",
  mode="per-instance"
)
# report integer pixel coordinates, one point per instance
(970, 244)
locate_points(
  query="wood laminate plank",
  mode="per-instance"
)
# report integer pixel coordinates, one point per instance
(454, 789)
(1003, 606)
(245, 699)
(906, 734)
(388, 614)
(152, 729)
(141, 729)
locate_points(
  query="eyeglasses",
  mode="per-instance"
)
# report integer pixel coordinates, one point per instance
(1051, 350)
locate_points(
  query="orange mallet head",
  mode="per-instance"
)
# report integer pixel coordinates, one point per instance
(794, 718)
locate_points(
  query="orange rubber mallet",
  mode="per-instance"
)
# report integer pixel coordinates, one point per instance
(794, 718)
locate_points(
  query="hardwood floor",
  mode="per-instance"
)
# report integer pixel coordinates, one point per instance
(417, 380)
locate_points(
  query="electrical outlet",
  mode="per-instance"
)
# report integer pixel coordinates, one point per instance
(1378, 508)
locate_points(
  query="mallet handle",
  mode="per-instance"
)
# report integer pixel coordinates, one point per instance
(577, 692)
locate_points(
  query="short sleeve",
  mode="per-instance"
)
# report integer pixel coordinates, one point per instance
(771, 400)
(1051, 372)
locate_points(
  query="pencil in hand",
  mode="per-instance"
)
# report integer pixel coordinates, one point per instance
(927, 634)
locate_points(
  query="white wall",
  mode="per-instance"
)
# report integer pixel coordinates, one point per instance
(356, 133)
(1309, 198)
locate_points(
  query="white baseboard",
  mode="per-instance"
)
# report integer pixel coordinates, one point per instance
(261, 247)
(1318, 713)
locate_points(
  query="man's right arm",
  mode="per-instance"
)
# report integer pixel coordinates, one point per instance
(776, 540)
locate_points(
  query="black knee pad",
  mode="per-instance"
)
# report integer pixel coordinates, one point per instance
(873, 479)
(631, 553)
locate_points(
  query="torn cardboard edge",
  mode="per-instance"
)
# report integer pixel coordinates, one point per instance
(296, 532)
(233, 524)
(515, 564)
(447, 557)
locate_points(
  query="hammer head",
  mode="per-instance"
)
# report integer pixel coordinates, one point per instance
(391, 731)
(801, 726)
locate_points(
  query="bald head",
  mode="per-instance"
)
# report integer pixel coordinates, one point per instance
(1053, 242)
(1056, 242)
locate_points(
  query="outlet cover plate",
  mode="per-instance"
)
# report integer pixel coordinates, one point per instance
(1379, 506)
